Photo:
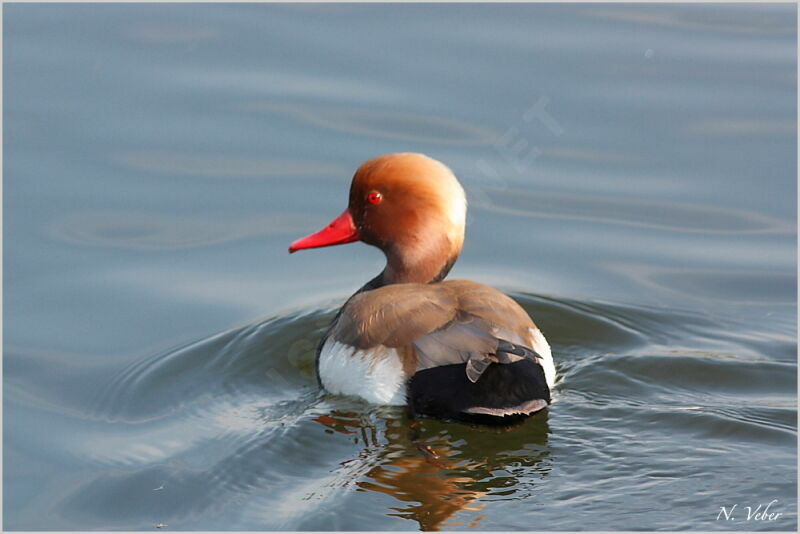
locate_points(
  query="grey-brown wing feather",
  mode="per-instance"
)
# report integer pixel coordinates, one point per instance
(394, 315)
(446, 323)
(469, 340)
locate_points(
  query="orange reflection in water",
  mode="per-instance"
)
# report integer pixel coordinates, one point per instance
(435, 469)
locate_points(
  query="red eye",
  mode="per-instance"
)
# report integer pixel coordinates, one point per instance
(373, 197)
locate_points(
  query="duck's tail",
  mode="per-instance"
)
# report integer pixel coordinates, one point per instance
(504, 394)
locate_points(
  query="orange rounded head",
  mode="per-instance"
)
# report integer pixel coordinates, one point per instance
(408, 205)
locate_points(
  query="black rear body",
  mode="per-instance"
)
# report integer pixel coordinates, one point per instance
(445, 392)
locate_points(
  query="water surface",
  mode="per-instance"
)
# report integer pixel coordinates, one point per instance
(631, 172)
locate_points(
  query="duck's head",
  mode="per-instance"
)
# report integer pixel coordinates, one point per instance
(408, 205)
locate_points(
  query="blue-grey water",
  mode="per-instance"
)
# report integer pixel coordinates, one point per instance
(632, 176)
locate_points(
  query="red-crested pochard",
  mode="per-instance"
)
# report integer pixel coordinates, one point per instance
(455, 349)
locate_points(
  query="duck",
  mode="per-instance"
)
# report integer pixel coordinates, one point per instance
(449, 349)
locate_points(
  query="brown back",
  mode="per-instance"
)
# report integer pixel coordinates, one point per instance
(445, 323)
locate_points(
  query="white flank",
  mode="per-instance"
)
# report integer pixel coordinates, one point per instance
(376, 375)
(542, 348)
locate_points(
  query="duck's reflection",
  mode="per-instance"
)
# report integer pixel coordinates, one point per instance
(436, 469)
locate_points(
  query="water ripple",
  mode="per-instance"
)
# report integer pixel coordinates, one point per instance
(269, 359)
(405, 126)
(751, 286)
(160, 33)
(221, 165)
(698, 19)
(136, 230)
(647, 213)
(236, 418)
